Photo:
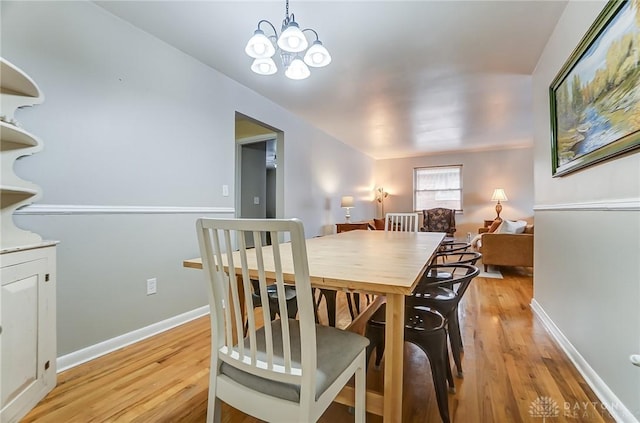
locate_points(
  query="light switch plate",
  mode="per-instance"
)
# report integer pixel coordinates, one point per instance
(152, 286)
(225, 190)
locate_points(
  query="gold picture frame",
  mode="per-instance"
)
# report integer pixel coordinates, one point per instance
(595, 98)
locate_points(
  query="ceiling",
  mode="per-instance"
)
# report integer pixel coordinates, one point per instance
(407, 78)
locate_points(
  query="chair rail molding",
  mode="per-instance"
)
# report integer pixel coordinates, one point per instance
(629, 204)
(62, 209)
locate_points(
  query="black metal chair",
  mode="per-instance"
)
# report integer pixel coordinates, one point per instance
(329, 295)
(429, 311)
(444, 295)
(424, 327)
(290, 295)
(444, 271)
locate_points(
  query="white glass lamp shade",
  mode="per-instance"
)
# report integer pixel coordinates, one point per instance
(292, 39)
(346, 202)
(259, 46)
(264, 66)
(317, 56)
(499, 195)
(297, 69)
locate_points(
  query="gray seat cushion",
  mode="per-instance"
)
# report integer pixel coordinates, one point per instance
(336, 349)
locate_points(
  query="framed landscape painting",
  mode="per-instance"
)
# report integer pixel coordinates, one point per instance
(595, 99)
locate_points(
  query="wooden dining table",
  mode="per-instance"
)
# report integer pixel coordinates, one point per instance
(389, 264)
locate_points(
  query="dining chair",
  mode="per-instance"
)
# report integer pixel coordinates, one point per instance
(451, 257)
(402, 222)
(444, 295)
(272, 293)
(425, 328)
(448, 247)
(286, 370)
(428, 313)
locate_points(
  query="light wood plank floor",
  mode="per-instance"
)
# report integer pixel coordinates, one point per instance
(509, 362)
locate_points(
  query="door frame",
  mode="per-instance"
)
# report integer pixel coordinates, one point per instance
(279, 137)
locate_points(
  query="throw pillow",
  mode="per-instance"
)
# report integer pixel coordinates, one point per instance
(475, 242)
(512, 226)
(496, 223)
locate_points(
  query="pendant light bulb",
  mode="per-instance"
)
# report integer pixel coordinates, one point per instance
(292, 39)
(317, 56)
(297, 69)
(259, 46)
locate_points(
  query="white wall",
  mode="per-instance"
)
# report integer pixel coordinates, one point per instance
(482, 172)
(130, 121)
(587, 246)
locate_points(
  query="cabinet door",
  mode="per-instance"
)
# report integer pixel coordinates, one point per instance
(22, 309)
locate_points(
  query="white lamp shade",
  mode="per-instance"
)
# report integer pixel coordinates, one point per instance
(499, 195)
(292, 39)
(259, 46)
(264, 66)
(297, 69)
(346, 201)
(317, 56)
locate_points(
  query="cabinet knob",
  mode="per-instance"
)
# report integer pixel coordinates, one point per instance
(635, 359)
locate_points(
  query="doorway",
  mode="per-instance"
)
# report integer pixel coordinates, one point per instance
(259, 180)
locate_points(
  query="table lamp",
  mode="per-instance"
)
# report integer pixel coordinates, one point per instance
(347, 203)
(499, 195)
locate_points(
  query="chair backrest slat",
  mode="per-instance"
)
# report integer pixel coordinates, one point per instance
(402, 222)
(286, 345)
(219, 269)
(246, 285)
(233, 289)
(230, 268)
(264, 295)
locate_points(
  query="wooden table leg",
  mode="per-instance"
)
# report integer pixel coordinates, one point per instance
(394, 356)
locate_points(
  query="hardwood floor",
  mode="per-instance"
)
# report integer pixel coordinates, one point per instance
(510, 365)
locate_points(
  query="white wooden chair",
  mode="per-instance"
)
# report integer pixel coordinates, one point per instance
(403, 222)
(288, 370)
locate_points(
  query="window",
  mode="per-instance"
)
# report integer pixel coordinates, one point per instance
(439, 186)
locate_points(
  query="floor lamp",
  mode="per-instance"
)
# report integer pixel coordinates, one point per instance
(380, 196)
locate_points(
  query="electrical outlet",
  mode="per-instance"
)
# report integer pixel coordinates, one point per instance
(256, 200)
(225, 190)
(152, 286)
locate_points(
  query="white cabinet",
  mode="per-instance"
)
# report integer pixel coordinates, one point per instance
(27, 265)
(28, 329)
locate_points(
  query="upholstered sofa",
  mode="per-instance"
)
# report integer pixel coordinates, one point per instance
(506, 249)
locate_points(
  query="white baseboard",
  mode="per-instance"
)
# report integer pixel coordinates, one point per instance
(615, 407)
(75, 358)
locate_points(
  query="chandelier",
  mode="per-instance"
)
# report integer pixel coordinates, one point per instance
(291, 44)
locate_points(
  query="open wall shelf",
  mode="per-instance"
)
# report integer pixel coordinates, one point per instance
(15, 81)
(17, 90)
(13, 137)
